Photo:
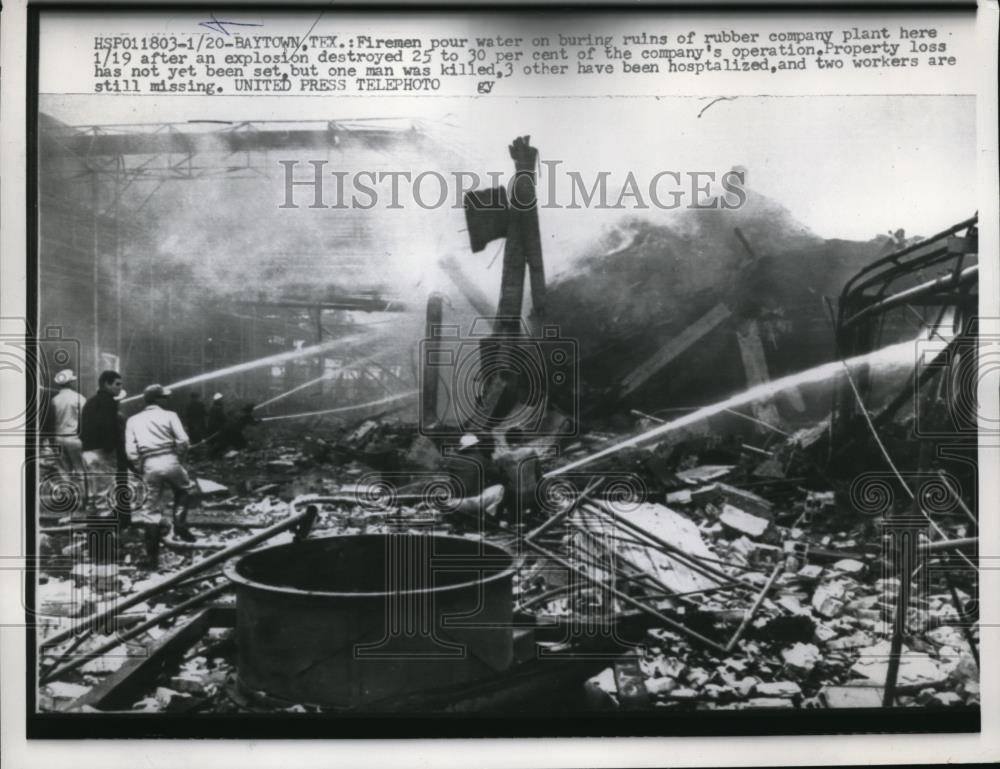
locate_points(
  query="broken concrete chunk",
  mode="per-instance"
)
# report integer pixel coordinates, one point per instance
(946, 636)
(605, 682)
(682, 497)
(62, 694)
(665, 667)
(737, 519)
(769, 702)
(188, 683)
(966, 671)
(778, 689)
(858, 640)
(824, 633)
(970, 689)
(915, 669)
(792, 604)
(827, 601)
(206, 487)
(660, 686)
(810, 572)
(698, 676)
(107, 663)
(61, 598)
(830, 607)
(929, 697)
(864, 602)
(742, 546)
(849, 566)
(800, 658)
(747, 501)
(851, 696)
(704, 473)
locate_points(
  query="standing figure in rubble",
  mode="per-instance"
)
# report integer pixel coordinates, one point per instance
(232, 431)
(103, 447)
(66, 408)
(216, 421)
(155, 441)
(195, 417)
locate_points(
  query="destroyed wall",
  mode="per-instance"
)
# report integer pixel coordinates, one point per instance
(647, 281)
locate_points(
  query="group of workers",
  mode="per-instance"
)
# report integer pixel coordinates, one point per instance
(98, 448)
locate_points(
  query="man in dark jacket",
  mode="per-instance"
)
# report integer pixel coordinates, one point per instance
(195, 418)
(232, 431)
(103, 443)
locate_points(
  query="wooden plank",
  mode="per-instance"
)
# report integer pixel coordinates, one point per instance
(686, 339)
(755, 367)
(121, 689)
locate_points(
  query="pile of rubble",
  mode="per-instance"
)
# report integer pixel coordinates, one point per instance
(818, 635)
(807, 612)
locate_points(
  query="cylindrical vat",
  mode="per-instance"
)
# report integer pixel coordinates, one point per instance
(351, 621)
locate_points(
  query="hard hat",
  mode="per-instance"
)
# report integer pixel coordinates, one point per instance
(156, 391)
(468, 440)
(217, 397)
(65, 376)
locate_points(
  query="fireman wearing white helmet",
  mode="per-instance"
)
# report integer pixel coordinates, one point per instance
(155, 441)
(67, 405)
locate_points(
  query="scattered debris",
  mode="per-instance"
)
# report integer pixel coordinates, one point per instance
(697, 475)
(743, 522)
(816, 637)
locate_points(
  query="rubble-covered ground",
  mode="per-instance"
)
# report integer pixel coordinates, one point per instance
(818, 638)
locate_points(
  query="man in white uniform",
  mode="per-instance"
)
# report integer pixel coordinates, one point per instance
(155, 441)
(66, 407)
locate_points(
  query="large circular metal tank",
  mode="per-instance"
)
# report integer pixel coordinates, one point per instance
(351, 621)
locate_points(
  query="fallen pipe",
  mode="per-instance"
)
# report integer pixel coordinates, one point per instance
(676, 552)
(119, 639)
(582, 497)
(753, 609)
(681, 628)
(943, 283)
(947, 544)
(196, 568)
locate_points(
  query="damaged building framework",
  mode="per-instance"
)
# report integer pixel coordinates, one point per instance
(593, 505)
